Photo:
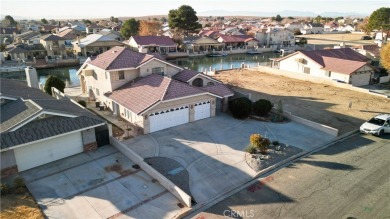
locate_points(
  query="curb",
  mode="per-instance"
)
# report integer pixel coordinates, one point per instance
(203, 206)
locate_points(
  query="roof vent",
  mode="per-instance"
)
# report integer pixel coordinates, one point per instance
(114, 51)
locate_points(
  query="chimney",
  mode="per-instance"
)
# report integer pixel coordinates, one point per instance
(32, 77)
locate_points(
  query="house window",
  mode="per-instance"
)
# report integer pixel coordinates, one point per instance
(158, 70)
(120, 75)
(106, 75)
(95, 75)
(328, 73)
(306, 70)
(97, 92)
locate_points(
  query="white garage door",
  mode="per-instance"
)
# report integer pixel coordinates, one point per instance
(169, 118)
(37, 154)
(202, 110)
(360, 79)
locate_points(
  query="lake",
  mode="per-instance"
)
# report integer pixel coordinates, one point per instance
(196, 63)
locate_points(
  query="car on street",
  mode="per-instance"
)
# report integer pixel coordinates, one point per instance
(366, 38)
(378, 125)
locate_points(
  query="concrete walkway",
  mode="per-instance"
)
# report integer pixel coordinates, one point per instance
(99, 184)
(211, 150)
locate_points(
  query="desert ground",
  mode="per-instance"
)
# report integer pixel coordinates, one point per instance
(336, 39)
(317, 102)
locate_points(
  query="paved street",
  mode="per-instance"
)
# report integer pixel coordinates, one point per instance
(350, 179)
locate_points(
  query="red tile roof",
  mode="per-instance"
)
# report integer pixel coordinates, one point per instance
(121, 58)
(341, 65)
(185, 75)
(236, 38)
(147, 91)
(344, 60)
(154, 40)
(220, 90)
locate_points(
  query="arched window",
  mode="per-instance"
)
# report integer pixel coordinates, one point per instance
(198, 82)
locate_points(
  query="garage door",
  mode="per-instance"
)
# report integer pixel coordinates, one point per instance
(360, 79)
(202, 110)
(169, 118)
(37, 154)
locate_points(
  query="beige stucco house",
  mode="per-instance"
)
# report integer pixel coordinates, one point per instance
(343, 65)
(54, 45)
(150, 92)
(94, 44)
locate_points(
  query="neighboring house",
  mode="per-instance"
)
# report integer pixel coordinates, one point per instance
(93, 29)
(160, 44)
(54, 45)
(209, 33)
(112, 34)
(47, 28)
(343, 65)
(202, 44)
(372, 52)
(37, 129)
(348, 27)
(79, 27)
(28, 38)
(312, 28)
(148, 91)
(330, 26)
(238, 41)
(280, 37)
(94, 44)
(25, 52)
(8, 32)
(293, 26)
(231, 31)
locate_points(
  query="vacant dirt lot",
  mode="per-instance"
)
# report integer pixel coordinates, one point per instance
(334, 39)
(320, 103)
(19, 206)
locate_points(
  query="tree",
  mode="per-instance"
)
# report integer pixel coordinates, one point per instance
(87, 22)
(278, 18)
(163, 19)
(318, 19)
(8, 21)
(385, 57)
(130, 28)
(44, 21)
(149, 28)
(262, 107)
(116, 20)
(363, 26)
(380, 19)
(184, 19)
(53, 81)
(112, 18)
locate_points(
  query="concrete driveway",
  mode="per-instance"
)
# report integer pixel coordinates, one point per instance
(100, 184)
(211, 150)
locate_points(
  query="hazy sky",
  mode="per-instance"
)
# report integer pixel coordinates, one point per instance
(128, 8)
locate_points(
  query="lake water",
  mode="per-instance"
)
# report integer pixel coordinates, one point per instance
(197, 63)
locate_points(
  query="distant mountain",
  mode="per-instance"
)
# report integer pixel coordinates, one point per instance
(281, 13)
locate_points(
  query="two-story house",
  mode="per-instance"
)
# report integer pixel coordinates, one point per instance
(160, 44)
(312, 28)
(343, 65)
(148, 91)
(94, 44)
(54, 45)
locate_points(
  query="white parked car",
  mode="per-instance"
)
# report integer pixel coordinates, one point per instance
(378, 125)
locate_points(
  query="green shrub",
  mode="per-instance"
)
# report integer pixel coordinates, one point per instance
(5, 189)
(262, 107)
(275, 143)
(53, 81)
(240, 107)
(250, 149)
(19, 183)
(82, 103)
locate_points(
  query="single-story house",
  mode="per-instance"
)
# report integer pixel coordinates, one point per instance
(148, 91)
(343, 65)
(202, 44)
(37, 129)
(160, 44)
(238, 41)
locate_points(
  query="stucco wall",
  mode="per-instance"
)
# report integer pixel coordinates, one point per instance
(88, 136)
(7, 159)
